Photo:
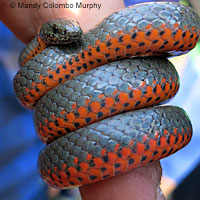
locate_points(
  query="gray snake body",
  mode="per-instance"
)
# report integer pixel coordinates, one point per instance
(70, 94)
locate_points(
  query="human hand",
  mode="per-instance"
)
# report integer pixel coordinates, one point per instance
(24, 22)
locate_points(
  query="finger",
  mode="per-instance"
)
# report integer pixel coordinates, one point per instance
(141, 183)
(24, 22)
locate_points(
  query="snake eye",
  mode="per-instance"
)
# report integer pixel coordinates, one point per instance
(55, 29)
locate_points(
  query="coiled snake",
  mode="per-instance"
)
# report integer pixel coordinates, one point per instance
(79, 83)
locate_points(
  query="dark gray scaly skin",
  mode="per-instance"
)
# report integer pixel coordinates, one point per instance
(59, 31)
(137, 16)
(120, 129)
(123, 76)
(28, 50)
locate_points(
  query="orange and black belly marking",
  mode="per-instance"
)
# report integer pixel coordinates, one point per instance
(78, 91)
(114, 146)
(35, 47)
(149, 29)
(103, 92)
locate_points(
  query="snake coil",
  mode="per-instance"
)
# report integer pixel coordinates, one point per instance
(79, 83)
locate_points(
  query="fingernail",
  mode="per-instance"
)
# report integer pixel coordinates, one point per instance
(160, 195)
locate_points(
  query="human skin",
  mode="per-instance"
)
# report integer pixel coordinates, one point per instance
(141, 183)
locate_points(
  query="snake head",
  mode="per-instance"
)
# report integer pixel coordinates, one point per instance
(60, 31)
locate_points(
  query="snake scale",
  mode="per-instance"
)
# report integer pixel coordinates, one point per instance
(96, 94)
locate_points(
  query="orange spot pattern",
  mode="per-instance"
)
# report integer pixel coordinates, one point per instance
(143, 43)
(49, 131)
(116, 165)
